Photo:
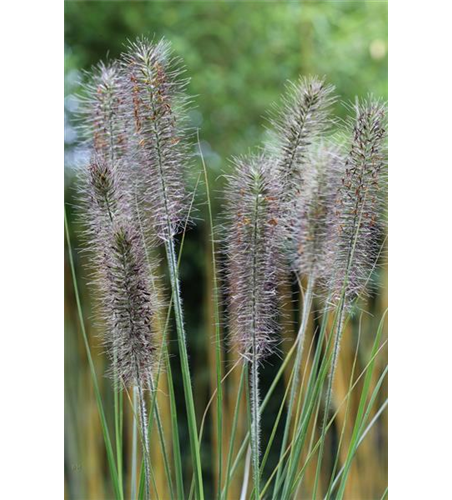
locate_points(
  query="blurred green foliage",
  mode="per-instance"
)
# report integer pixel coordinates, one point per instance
(240, 54)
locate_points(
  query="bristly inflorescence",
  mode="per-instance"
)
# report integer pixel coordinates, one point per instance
(103, 122)
(154, 97)
(128, 304)
(359, 204)
(132, 306)
(311, 223)
(253, 247)
(103, 200)
(302, 118)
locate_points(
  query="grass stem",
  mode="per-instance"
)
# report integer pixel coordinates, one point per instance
(218, 363)
(133, 478)
(189, 401)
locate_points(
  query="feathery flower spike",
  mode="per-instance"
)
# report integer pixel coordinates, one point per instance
(302, 118)
(253, 244)
(127, 303)
(253, 247)
(310, 225)
(101, 112)
(154, 97)
(359, 204)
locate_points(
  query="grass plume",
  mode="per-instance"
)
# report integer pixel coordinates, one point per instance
(359, 204)
(155, 102)
(301, 119)
(253, 242)
(101, 114)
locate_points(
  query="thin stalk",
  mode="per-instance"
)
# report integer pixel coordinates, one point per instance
(302, 432)
(255, 422)
(190, 405)
(314, 427)
(246, 475)
(144, 437)
(385, 494)
(360, 416)
(118, 412)
(164, 360)
(175, 433)
(217, 330)
(156, 411)
(133, 480)
(275, 426)
(301, 409)
(254, 368)
(181, 337)
(154, 484)
(233, 432)
(296, 370)
(203, 420)
(263, 405)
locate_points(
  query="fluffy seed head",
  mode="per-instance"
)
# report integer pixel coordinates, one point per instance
(131, 308)
(253, 248)
(101, 112)
(300, 121)
(128, 303)
(102, 198)
(154, 97)
(310, 223)
(359, 204)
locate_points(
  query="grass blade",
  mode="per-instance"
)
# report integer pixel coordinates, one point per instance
(133, 479)
(361, 413)
(188, 390)
(218, 362)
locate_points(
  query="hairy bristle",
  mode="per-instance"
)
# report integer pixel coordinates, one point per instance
(155, 100)
(131, 307)
(253, 247)
(301, 119)
(101, 112)
(359, 225)
(103, 200)
(128, 302)
(310, 224)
